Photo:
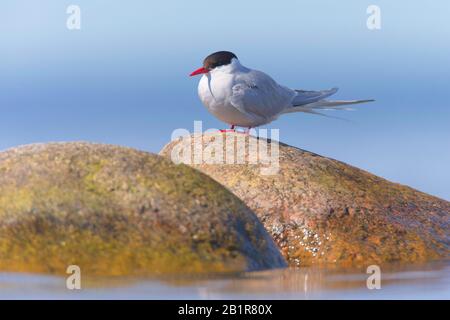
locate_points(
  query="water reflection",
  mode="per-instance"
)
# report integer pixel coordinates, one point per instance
(429, 281)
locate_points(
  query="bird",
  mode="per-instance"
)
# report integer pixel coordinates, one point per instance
(243, 97)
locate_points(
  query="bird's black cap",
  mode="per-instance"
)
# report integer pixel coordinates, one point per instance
(217, 59)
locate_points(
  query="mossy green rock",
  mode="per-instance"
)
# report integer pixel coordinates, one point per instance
(117, 211)
(324, 212)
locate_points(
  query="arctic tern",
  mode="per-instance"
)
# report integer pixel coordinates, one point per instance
(248, 98)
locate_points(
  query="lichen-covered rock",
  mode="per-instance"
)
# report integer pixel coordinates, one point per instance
(323, 211)
(117, 211)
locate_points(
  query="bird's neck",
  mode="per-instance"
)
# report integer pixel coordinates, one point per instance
(233, 66)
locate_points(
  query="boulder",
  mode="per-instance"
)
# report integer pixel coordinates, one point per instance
(321, 211)
(117, 211)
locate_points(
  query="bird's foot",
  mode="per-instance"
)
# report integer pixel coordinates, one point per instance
(229, 130)
(246, 131)
(232, 129)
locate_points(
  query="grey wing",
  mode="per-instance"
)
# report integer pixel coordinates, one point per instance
(304, 97)
(260, 96)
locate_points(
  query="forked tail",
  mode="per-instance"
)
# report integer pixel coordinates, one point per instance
(313, 101)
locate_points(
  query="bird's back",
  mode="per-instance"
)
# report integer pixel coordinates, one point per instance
(257, 93)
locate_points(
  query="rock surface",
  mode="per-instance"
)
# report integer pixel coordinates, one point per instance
(117, 211)
(325, 212)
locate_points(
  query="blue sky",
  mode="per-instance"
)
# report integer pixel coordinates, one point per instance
(122, 78)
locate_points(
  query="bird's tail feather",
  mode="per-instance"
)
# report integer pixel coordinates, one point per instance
(325, 105)
(335, 104)
(312, 111)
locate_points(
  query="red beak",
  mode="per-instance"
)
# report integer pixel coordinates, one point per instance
(199, 71)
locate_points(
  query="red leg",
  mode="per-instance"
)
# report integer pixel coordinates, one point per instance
(229, 130)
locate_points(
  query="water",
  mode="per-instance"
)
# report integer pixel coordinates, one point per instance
(430, 281)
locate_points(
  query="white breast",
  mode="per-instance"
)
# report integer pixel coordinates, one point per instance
(214, 92)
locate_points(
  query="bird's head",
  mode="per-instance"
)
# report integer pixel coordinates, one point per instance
(214, 60)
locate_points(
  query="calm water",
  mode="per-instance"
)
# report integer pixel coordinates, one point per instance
(431, 281)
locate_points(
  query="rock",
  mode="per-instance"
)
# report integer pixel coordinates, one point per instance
(324, 212)
(117, 211)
